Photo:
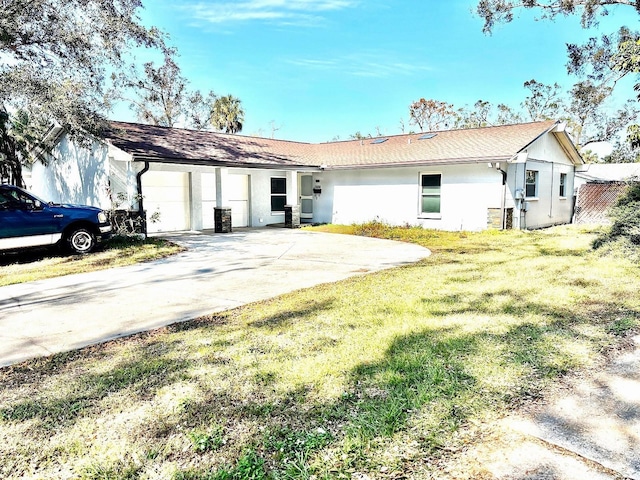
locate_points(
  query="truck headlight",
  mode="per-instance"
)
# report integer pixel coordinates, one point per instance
(102, 218)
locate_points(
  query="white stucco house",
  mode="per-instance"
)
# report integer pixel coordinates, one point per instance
(512, 176)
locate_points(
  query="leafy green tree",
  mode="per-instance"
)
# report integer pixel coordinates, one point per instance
(589, 120)
(625, 228)
(227, 114)
(56, 54)
(198, 110)
(501, 11)
(633, 136)
(622, 152)
(55, 58)
(601, 62)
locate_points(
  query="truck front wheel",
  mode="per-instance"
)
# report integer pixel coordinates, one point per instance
(81, 241)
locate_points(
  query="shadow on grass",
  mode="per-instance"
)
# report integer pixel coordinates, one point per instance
(31, 256)
(79, 396)
(37, 254)
(285, 318)
(426, 386)
(511, 302)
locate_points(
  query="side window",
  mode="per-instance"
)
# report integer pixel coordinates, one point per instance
(26, 202)
(563, 184)
(278, 194)
(9, 200)
(5, 201)
(531, 183)
(430, 185)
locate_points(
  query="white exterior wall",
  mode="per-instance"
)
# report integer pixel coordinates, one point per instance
(547, 208)
(260, 196)
(201, 192)
(392, 195)
(74, 174)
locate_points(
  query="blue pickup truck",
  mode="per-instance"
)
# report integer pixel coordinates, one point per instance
(27, 221)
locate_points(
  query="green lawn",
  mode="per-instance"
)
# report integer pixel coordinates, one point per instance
(40, 264)
(380, 374)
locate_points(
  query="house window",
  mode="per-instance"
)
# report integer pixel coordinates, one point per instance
(278, 194)
(531, 183)
(563, 184)
(430, 193)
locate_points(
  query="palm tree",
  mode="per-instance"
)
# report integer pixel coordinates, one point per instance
(227, 114)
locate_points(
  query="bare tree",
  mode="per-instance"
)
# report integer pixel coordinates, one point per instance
(431, 114)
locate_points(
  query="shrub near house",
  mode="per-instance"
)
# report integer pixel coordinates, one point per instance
(26, 221)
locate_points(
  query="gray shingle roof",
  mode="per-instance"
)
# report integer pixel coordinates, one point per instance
(148, 142)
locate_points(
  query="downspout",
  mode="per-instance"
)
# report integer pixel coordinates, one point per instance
(552, 190)
(523, 211)
(140, 197)
(504, 197)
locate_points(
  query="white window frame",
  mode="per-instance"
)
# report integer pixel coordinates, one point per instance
(536, 184)
(432, 215)
(563, 185)
(272, 195)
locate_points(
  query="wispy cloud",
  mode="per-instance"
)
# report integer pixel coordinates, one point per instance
(315, 64)
(277, 11)
(371, 65)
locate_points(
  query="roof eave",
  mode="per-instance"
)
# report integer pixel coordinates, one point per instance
(560, 132)
(422, 163)
(221, 163)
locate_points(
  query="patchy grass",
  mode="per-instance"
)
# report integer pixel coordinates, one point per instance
(118, 252)
(376, 375)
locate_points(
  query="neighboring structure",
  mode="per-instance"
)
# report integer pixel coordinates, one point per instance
(598, 188)
(606, 172)
(512, 176)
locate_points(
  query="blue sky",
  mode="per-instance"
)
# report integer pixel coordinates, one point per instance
(321, 69)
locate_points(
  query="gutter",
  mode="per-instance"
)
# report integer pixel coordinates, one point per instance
(222, 164)
(140, 197)
(421, 164)
(322, 167)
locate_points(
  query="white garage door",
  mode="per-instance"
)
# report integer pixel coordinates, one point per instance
(238, 191)
(168, 194)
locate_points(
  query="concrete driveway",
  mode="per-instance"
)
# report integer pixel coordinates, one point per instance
(218, 272)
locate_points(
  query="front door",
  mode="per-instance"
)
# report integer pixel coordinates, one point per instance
(306, 197)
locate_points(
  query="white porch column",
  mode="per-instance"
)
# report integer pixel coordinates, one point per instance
(293, 196)
(222, 197)
(196, 200)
